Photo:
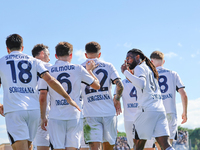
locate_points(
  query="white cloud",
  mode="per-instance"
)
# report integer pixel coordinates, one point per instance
(193, 55)
(179, 44)
(127, 45)
(80, 54)
(170, 54)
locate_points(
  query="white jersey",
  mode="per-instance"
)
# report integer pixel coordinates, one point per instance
(18, 73)
(129, 97)
(149, 98)
(99, 103)
(70, 76)
(45, 87)
(169, 82)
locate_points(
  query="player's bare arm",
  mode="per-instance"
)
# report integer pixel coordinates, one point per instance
(43, 105)
(90, 66)
(116, 99)
(184, 99)
(55, 85)
(1, 110)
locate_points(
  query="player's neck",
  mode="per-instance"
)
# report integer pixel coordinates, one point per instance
(64, 58)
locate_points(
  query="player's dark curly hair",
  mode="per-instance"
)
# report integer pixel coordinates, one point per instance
(64, 48)
(144, 58)
(14, 42)
(92, 47)
(37, 49)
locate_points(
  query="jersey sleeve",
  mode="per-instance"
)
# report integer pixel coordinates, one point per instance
(179, 83)
(40, 68)
(114, 73)
(86, 77)
(42, 85)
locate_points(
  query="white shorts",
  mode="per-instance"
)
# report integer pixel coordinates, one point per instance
(172, 122)
(150, 124)
(42, 137)
(100, 129)
(83, 144)
(128, 125)
(65, 133)
(22, 125)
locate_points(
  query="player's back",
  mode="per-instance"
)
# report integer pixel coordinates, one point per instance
(129, 97)
(169, 82)
(149, 97)
(99, 103)
(70, 76)
(18, 74)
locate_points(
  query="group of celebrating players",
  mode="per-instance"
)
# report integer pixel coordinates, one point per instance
(69, 106)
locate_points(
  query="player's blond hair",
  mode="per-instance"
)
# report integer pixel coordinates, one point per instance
(157, 55)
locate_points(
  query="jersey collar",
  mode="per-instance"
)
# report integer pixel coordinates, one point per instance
(15, 52)
(159, 67)
(62, 62)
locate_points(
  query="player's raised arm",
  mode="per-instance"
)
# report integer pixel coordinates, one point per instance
(55, 85)
(90, 66)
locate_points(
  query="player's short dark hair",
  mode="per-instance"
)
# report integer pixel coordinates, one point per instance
(38, 48)
(64, 48)
(157, 55)
(14, 42)
(92, 47)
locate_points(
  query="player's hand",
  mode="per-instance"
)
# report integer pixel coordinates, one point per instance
(124, 67)
(44, 124)
(117, 105)
(184, 117)
(1, 110)
(90, 65)
(73, 103)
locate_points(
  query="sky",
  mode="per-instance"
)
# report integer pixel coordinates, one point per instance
(172, 27)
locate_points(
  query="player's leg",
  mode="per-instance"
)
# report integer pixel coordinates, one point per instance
(162, 131)
(150, 144)
(20, 132)
(163, 142)
(139, 144)
(42, 139)
(107, 146)
(84, 146)
(173, 127)
(128, 125)
(93, 132)
(73, 134)
(109, 132)
(57, 133)
(95, 145)
(20, 145)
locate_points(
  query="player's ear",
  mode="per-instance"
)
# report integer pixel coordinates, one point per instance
(56, 56)
(163, 62)
(86, 55)
(8, 50)
(137, 57)
(99, 55)
(70, 56)
(22, 48)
